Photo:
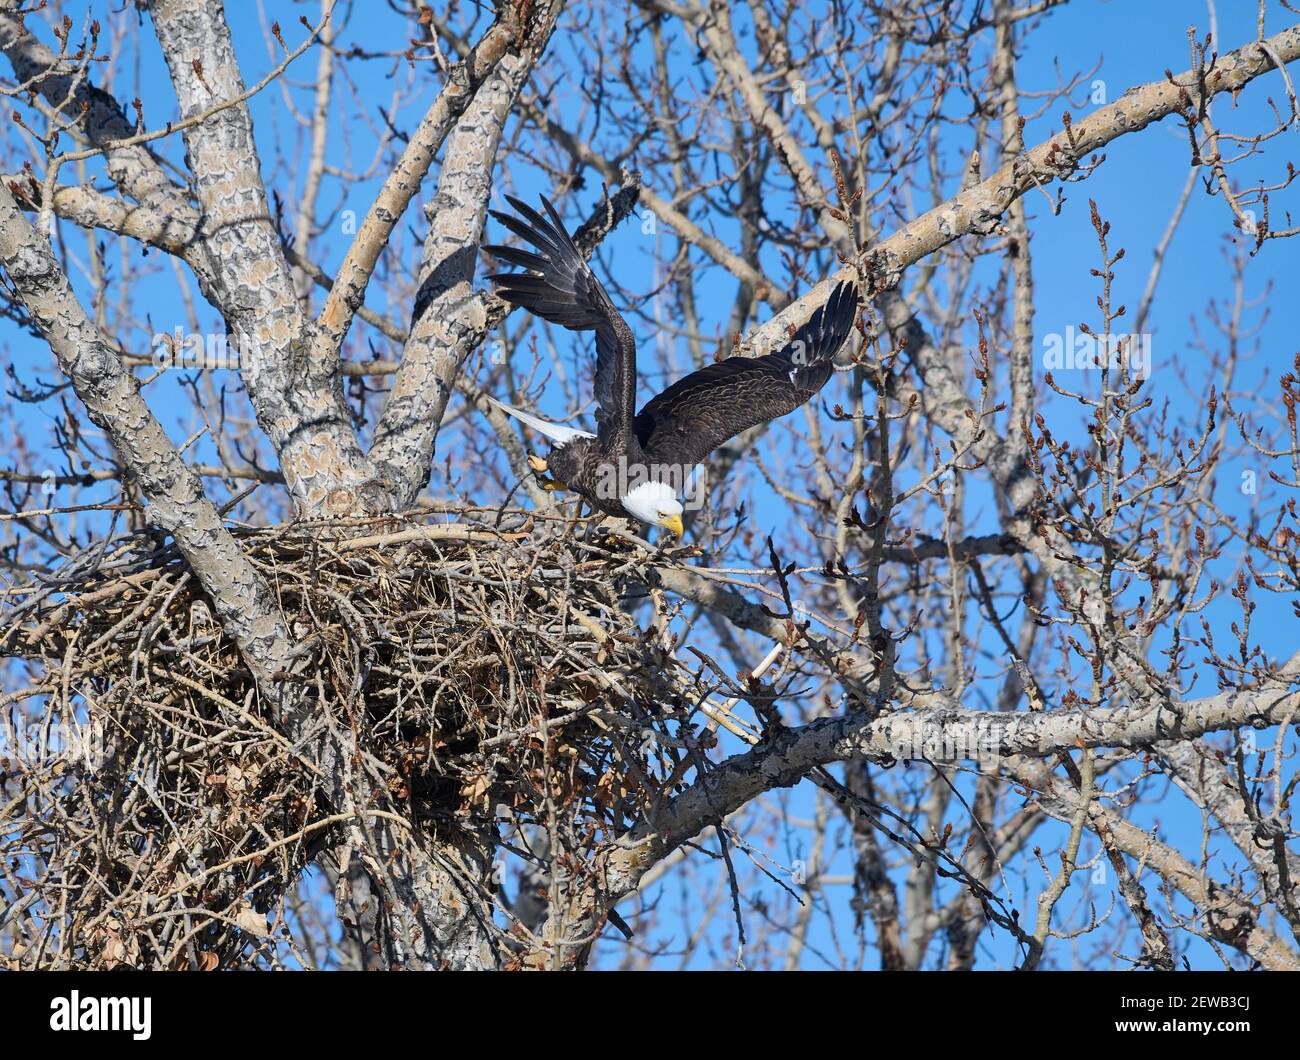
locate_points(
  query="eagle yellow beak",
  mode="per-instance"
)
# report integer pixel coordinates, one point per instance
(674, 523)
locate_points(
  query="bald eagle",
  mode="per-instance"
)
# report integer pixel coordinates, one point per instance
(637, 463)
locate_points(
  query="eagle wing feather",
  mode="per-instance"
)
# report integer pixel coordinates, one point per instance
(687, 421)
(560, 287)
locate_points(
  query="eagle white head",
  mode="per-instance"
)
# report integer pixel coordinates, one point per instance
(655, 503)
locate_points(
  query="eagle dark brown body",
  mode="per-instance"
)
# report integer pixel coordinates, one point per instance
(584, 467)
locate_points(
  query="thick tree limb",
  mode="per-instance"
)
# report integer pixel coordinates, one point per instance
(94, 112)
(349, 290)
(303, 413)
(979, 208)
(940, 736)
(449, 316)
(113, 400)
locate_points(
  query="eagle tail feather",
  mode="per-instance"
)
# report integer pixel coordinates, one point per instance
(557, 432)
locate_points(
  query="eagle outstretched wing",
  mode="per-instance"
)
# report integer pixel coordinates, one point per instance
(565, 291)
(686, 422)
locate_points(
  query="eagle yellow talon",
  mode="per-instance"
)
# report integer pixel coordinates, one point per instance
(550, 485)
(536, 463)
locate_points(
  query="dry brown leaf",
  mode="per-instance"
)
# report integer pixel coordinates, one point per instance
(251, 921)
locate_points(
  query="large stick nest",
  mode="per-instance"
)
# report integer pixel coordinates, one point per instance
(154, 811)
